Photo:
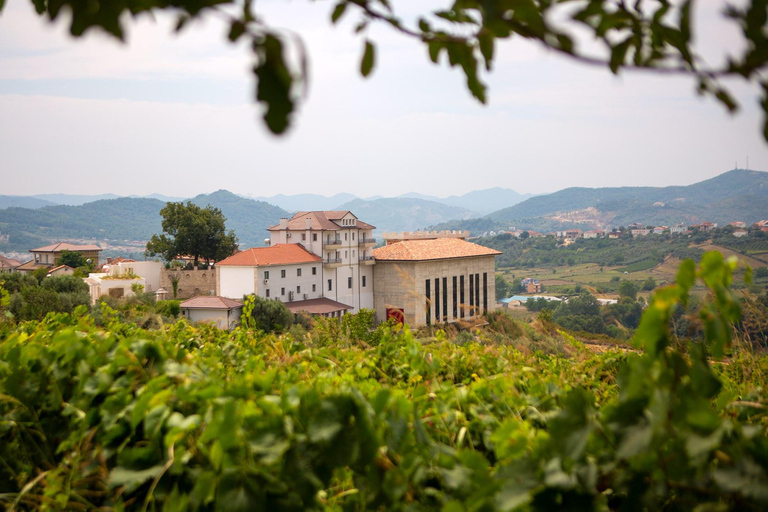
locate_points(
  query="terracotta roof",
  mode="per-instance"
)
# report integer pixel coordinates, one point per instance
(278, 254)
(65, 246)
(54, 269)
(321, 220)
(8, 262)
(207, 302)
(31, 265)
(320, 306)
(436, 249)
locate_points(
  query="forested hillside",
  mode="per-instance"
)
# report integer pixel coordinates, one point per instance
(403, 214)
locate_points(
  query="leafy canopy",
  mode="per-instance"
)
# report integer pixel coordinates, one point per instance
(193, 231)
(649, 35)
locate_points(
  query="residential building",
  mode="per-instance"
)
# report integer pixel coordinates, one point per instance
(61, 270)
(49, 255)
(572, 234)
(614, 234)
(531, 285)
(740, 232)
(399, 236)
(676, 230)
(8, 264)
(222, 312)
(344, 243)
(118, 281)
(426, 282)
(640, 231)
(705, 226)
(590, 234)
(738, 224)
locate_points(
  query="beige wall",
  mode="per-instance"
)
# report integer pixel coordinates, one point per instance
(221, 318)
(403, 285)
(191, 282)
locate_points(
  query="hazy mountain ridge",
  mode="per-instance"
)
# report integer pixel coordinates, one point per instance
(403, 213)
(23, 202)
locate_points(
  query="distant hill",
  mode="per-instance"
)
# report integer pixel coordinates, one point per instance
(74, 199)
(122, 219)
(403, 214)
(481, 202)
(303, 202)
(249, 218)
(22, 202)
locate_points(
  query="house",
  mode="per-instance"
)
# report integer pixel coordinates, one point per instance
(659, 230)
(531, 285)
(640, 231)
(560, 233)
(426, 282)
(61, 270)
(48, 256)
(738, 224)
(676, 230)
(124, 279)
(8, 264)
(222, 312)
(344, 245)
(572, 234)
(706, 226)
(591, 234)
(762, 224)
(614, 234)
(535, 234)
(740, 233)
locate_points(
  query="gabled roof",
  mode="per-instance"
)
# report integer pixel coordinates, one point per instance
(204, 302)
(326, 220)
(321, 306)
(8, 262)
(54, 269)
(435, 249)
(65, 246)
(278, 254)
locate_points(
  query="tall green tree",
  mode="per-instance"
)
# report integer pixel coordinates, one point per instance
(653, 35)
(189, 230)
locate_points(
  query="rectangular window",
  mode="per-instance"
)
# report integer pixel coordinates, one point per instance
(471, 295)
(461, 295)
(298, 289)
(314, 287)
(266, 274)
(349, 282)
(298, 272)
(445, 299)
(282, 273)
(353, 236)
(485, 292)
(477, 292)
(437, 300)
(346, 254)
(314, 237)
(363, 281)
(314, 271)
(267, 292)
(282, 291)
(303, 237)
(428, 305)
(455, 302)
(345, 236)
(330, 285)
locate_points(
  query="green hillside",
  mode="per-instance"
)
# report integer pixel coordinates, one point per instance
(403, 213)
(250, 219)
(23, 202)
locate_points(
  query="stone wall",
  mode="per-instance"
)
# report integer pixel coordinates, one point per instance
(191, 283)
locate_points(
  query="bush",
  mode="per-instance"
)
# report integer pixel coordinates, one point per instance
(168, 308)
(649, 284)
(628, 289)
(271, 315)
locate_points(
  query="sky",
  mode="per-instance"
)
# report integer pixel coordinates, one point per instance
(175, 115)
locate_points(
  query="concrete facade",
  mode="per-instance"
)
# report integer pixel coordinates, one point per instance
(191, 282)
(281, 282)
(419, 289)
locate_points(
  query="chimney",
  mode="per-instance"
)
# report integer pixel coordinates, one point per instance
(283, 223)
(309, 223)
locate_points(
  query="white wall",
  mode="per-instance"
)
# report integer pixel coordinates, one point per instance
(291, 281)
(216, 316)
(149, 270)
(235, 282)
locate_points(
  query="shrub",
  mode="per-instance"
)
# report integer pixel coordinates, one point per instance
(271, 315)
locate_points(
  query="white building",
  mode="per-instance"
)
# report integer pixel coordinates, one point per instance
(223, 313)
(118, 281)
(345, 246)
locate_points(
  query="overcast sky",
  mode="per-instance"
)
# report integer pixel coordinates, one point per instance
(174, 115)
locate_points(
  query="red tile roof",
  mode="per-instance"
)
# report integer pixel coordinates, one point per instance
(204, 302)
(54, 269)
(436, 249)
(321, 220)
(65, 246)
(321, 306)
(278, 254)
(8, 262)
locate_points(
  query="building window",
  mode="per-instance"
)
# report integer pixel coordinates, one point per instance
(428, 306)
(330, 285)
(437, 300)
(267, 292)
(353, 236)
(298, 272)
(298, 289)
(314, 237)
(485, 292)
(471, 295)
(477, 292)
(282, 291)
(363, 281)
(461, 295)
(314, 271)
(445, 299)
(346, 254)
(282, 273)
(303, 237)
(314, 287)
(455, 302)
(266, 274)
(349, 282)
(345, 237)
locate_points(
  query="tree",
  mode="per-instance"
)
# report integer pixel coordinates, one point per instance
(653, 35)
(193, 231)
(628, 289)
(502, 287)
(271, 315)
(524, 235)
(72, 259)
(649, 284)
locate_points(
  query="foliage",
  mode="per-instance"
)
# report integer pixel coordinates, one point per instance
(502, 287)
(72, 259)
(270, 315)
(649, 284)
(194, 231)
(581, 314)
(628, 289)
(540, 304)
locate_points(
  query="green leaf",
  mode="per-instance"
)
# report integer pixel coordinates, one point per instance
(132, 479)
(274, 83)
(338, 11)
(236, 30)
(367, 62)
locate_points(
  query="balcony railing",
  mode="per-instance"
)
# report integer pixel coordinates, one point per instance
(366, 258)
(331, 261)
(331, 242)
(367, 240)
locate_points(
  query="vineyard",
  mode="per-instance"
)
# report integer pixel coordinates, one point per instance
(109, 416)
